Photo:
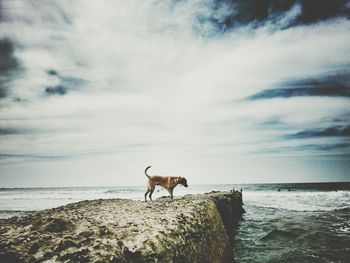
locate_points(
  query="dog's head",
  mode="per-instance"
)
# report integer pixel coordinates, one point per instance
(183, 181)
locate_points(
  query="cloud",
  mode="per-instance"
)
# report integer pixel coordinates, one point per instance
(59, 90)
(314, 10)
(9, 65)
(330, 87)
(323, 147)
(30, 156)
(281, 13)
(7, 131)
(169, 79)
(338, 131)
(65, 84)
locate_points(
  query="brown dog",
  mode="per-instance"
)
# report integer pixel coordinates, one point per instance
(167, 182)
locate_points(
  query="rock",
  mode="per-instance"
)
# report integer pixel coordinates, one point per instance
(33, 248)
(66, 243)
(53, 224)
(194, 228)
(86, 234)
(10, 257)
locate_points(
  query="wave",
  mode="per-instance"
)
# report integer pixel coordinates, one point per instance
(345, 210)
(299, 201)
(13, 211)
(277, 234)
(121, 191)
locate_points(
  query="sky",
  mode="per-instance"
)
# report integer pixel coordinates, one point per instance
(230, 91)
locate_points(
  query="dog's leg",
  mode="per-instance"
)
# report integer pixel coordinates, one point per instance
(150, 194)
(171, 193)
(146, 195)
(151, 190)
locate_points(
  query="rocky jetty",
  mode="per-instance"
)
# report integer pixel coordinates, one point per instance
(193, 228)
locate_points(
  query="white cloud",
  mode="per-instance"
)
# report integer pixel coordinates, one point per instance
(157, 90)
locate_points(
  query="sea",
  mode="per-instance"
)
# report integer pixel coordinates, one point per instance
(308, 222)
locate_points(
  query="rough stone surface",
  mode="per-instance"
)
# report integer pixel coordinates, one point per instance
(194, 228)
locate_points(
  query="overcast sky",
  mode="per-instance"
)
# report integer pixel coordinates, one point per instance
(92, 92)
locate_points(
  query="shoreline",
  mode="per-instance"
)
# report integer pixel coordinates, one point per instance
(338, 183)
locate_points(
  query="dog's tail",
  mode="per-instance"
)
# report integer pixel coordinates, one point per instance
(146, 171)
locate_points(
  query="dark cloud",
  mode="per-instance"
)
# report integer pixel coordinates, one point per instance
(339, 148)
(299, 92)
(67, 83)
(323, 147)
(56, 90)
(32, 156)
(316, 10)
(335, 86)
(256, 13)
(271, 122)
(337, 131)
(52, 72)
(8, 131)
(312, 10)
(2, 10)
(9, 65)
(16, 130)
(7, 59)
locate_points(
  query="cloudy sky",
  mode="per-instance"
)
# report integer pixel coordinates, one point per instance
(230, 91)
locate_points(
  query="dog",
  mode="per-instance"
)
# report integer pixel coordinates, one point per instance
(167, 182)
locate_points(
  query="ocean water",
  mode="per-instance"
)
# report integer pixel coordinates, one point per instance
(310, 223)
(282, 223)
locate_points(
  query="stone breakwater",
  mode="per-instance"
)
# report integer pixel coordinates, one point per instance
(194, 228)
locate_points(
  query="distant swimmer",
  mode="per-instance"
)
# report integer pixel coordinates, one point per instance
(279, 189)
